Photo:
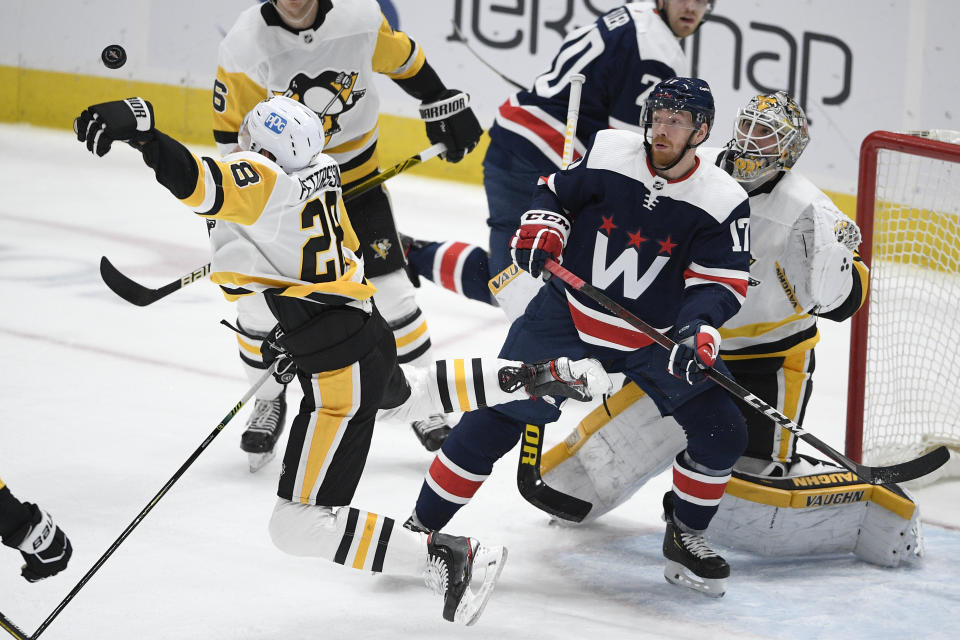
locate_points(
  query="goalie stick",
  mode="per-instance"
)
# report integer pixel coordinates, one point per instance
(19, 634)
(909, 470)
(135, 293)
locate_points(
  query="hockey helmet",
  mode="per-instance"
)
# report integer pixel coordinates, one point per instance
(288, 130)
(681, 94)
(769, 134)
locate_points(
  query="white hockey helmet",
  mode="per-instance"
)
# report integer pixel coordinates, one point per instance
(769, 135)
(289, 131)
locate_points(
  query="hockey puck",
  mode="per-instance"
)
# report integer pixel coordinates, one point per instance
(113, 56)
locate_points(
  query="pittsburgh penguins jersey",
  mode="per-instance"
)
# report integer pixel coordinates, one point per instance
(273, 232)
(670, 251)
(623, 55)
(767, 325)
(329, 67)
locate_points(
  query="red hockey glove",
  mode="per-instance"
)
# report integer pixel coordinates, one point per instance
(542, 234)
(697, 348)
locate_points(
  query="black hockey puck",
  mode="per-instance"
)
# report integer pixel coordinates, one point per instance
(113, 56)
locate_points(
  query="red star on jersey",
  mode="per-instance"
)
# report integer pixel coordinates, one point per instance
(608, 225)
(636, 239)
(666, 246)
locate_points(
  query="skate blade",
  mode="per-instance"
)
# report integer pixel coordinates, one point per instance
(258, 460)
(677, 574)
(490, 560)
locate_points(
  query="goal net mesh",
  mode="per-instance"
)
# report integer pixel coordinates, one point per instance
(912, 396)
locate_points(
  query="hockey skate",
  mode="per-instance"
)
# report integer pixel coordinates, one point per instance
(690, 562)
(464, 572)
(432, 431)
(561, 377)
(263, 430)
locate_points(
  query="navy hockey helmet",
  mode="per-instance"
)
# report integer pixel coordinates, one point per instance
(681, 94)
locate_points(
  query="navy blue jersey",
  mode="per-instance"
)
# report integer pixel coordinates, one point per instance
(623, 55)
(670, 251)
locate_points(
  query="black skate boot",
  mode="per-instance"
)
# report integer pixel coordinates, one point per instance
(561, 377)
(464, 572)
(432, 432)
(263, 430)
(690, 562)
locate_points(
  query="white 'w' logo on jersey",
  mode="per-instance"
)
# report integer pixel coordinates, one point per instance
(626, 265)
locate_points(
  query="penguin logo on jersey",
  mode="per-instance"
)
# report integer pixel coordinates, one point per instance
(381, 248)
(330, 94)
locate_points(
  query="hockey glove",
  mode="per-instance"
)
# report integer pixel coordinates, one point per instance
(100, 125)
(43, 545)
(271, 350)
(697, 349)
(450, 120)
(542, 235)
(818, 260)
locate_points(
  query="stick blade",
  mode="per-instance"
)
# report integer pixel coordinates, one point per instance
(909, 470)
(535, 491)
(131, 291)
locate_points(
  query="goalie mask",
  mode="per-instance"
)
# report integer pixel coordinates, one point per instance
(290, 132)
(769, 135)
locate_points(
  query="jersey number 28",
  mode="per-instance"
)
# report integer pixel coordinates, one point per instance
(322, 254)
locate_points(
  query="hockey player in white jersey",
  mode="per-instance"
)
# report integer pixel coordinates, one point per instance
(280, 231)
(325, 54)
(804, 267)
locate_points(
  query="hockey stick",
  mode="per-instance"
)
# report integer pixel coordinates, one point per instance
(136, 293)
(538, 493)
(16, 632)
(902, 472)
(529, 479)
(476, 55)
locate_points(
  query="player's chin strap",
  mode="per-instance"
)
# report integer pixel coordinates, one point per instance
(897, 473)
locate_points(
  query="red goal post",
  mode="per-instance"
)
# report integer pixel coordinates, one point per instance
(902, 397)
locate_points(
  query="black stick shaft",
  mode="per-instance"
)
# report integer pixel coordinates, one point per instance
(150, 505)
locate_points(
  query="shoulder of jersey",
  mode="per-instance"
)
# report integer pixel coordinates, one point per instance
(714, 191)
(795, 188)
(655, 41)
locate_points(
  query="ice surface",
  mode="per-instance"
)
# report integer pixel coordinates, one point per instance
(103, 401)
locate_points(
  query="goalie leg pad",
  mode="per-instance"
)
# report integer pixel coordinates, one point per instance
(827, 511)
(605, 460)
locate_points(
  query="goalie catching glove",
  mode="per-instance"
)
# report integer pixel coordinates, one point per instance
(818, 259)
(128, 120)
(542, 235)
(696, 350)
(450, 120)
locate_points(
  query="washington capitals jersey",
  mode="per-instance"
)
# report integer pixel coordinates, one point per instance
(287, 234)
(767, 324)
(670, 251)
(623, 55)
(329, 68)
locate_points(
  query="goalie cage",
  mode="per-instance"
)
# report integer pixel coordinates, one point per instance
(902, 399)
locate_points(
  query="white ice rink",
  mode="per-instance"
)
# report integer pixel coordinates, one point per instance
(103, 401)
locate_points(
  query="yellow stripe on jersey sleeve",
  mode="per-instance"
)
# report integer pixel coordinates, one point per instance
(236, 191)
(2, 485)
(393, 54)
(232, 102)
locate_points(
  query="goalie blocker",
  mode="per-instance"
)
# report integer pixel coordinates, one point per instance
(817, 508)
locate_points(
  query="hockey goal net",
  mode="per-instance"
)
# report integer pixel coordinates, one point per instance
(903, 398)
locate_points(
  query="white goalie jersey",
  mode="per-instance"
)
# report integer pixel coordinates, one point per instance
(772, 322)
(280, 233)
